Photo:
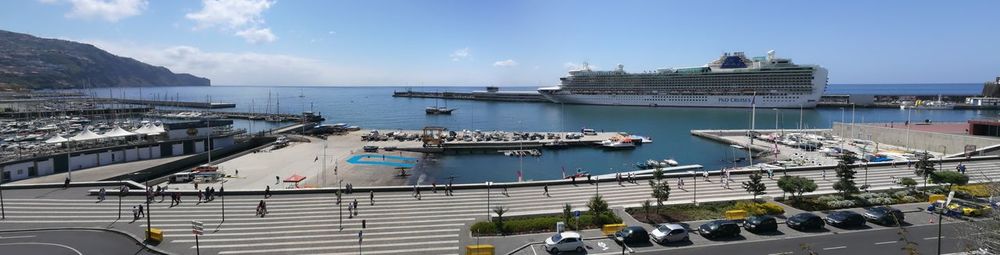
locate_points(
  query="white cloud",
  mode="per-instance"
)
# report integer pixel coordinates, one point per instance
(255, 35)
(244, 16)
(505, 63)
(108, 10)
(332, 32)
(460, 54)
(246, 68)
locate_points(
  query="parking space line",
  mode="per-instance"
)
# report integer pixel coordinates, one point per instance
(886, 242)
(834, 248)
(781, 253)
(932, 238)
(533, 250)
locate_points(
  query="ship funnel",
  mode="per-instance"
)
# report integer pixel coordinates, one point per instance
(770, 54)
(620, 68)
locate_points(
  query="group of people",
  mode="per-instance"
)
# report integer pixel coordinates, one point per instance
(629, 177)
(209, 194)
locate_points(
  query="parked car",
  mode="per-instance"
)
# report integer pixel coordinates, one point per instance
(884, 215)
(665, 233)
(759, 224)
(845, 219)
(805, 221)
(719, 228)
(565, 241)
(631, 235)
(969, 208)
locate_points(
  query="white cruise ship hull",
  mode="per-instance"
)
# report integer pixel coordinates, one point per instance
(807, 101)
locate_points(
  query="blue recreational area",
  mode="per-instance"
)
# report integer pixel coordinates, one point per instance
(384, 160)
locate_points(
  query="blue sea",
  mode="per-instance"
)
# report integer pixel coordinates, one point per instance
(375, 108)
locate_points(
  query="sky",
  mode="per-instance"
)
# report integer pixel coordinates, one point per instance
(520, 43)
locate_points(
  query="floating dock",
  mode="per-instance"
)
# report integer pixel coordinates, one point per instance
(201, 105)
(506, 96)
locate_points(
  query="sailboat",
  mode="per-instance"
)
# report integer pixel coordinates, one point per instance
(439, 109)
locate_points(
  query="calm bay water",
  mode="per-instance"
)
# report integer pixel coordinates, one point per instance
(375, 108)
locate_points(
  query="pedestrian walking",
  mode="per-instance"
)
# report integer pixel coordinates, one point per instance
(418, 192)
(680, 183)
(770, 173)
(350, 212)
(199, 196)
(363, 223)
(414, 193)
(163, 193)
(505, 191)
(434, 187)
(267, 191)
(546, 190)
(135, 213)
(824, 173)
(237, 172)
(261, 208)
(100, 195)
(221, 190)
(355, 204)
(573, 179)
(277, 179)
(371, 197)
(142, 213)
(66, 183)
(705, 176)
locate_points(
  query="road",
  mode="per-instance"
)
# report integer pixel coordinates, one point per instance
(69, 242)
(398, 222)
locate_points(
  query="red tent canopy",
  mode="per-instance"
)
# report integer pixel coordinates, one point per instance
(295, 178)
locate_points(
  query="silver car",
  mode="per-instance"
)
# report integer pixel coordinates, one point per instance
(668, 232)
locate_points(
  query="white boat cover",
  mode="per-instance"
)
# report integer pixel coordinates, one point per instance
(56, 139)
(86, 135)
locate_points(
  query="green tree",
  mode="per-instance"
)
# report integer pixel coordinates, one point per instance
(845, 174)
(908, 182)
(597, 205)
(567, 213)
(661, 189)
(755, 186)
(661, 192)
(924, 168)
(797, 185)
(950, 178)
(646, 207)
(500, 211)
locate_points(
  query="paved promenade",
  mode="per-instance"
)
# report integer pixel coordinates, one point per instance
(397, 223)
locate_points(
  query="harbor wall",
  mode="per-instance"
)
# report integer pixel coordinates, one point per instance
(918, 140)
(156, 173)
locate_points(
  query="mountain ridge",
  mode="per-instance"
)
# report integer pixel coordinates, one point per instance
(32, 62)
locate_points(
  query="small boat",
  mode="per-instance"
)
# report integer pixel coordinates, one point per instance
(639, 140)
(618, 144)
(579, 174)
(555, 144)
(671, 162)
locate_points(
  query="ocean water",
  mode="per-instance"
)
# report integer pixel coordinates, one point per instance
(375, 108)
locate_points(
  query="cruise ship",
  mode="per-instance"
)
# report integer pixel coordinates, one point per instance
(733, 80)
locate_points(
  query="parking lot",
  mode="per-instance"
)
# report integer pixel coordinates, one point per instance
(596, 244)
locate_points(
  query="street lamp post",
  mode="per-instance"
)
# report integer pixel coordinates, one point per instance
(340, 206)
(149, 225)
(597, 188)
(694, 179)
(488, 216)
(3, 213)
(120, 194)
(941, 159)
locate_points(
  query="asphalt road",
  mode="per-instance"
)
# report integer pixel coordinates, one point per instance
(69, 242)
(875, 241)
